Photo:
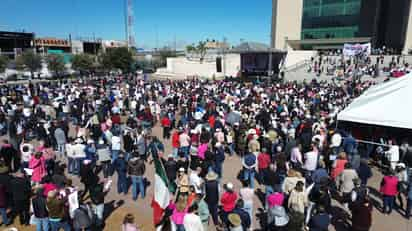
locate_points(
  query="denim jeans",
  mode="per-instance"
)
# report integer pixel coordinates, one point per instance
(98, 210)
(61, 148)
(106, 168)
(77, 163)
(175, 151)
(3, 212)
(137, 184)
(249, 175)
(248, 207)
(231, 148)
(409, 208)
(121, 183)
(42, 224)
(218, 168)
(57, 225)
(115, 155)
(185, 150)
(180, 228)
(388, 203)
(71, 165)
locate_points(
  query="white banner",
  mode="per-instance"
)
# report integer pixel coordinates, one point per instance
(357, 49)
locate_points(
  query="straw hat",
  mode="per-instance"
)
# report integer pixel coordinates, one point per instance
(234, 219)
(211, 175)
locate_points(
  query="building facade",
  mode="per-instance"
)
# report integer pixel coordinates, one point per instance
(327, 24)
(14, 43)
(286, 22)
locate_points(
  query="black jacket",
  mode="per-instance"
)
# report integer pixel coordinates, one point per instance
(97, 194)
(171, 169)
(212, 192)
(20, 188)
(39, 207)
(136, 168)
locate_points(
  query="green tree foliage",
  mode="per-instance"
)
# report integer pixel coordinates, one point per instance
(83, 63)
(29, 61)
(3, 63)
(55, 63)
(119, 58)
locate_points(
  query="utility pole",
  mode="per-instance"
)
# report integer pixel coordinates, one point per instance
(130, 24)
(224, 56)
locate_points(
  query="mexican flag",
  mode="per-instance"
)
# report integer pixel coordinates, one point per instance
(162, 190)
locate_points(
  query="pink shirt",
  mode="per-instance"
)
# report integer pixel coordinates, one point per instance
(275, 199)
(47, 188)
(201, 151)
(178, 217)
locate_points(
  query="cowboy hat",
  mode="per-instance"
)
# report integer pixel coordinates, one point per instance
(234, 219)
(211, 175)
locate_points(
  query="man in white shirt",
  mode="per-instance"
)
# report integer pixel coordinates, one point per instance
(184, 140)
(195, 180)
(392, 154)
(192, 221)
(311, 159)
(116, 145)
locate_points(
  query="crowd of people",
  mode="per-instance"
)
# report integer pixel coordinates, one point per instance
(100, 131)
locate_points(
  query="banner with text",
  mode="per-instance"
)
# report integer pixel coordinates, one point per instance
(356, 49)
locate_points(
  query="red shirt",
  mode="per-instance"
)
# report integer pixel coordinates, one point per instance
(211, 121)
(228, 201)
(263, 160)
(116, 119)
(166, 122)
(175, 140)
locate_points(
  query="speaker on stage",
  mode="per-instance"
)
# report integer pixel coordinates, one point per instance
(219, 64)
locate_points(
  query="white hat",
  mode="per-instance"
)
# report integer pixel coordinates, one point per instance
(90, 141)
(101, 141)
(402, 165)
(229, 186)
(86, 162)
(181, 169)
(78, 140)
(218, 144)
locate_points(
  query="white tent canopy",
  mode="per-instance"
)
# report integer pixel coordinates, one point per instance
(388, 104)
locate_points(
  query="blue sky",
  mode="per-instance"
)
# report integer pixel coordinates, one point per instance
(187, 20)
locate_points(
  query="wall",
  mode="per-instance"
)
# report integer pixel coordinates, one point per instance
(286, 21)
(182, 67)
(297, 56)
(408, 38)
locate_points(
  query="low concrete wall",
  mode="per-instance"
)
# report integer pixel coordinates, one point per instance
(181, 66)
(297, 56)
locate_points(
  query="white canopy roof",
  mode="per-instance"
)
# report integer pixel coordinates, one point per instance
(388, 104)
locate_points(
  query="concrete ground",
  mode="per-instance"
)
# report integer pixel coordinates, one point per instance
(117, 206)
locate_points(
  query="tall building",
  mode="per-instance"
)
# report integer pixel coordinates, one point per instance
(328, 24)
(286, 22)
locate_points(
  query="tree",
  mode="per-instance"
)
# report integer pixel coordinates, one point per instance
(119, 58)
(201, 50)
(165, 53)
(3, 63)
(29, 61)
(82, 63)
(191, 48)
(55, 63)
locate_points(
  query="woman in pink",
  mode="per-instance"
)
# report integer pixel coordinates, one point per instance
(202, 150)
(339, 165)
(275, 199)
(38, 164)
(179, 213)
(389, 190)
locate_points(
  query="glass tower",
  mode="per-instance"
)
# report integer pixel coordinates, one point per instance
(323, 19)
